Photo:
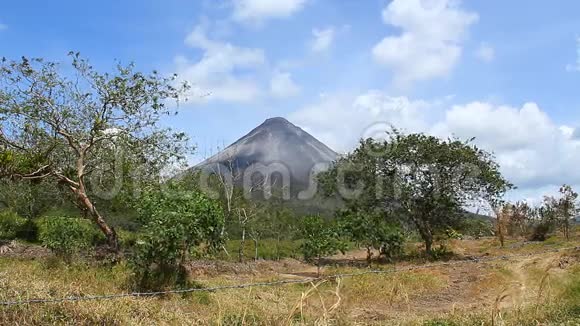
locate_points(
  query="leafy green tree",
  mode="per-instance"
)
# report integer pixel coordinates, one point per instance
(30, 199)
(423, 180)
(373, 232)
(176, 221)
(76, 128)
(321, 238)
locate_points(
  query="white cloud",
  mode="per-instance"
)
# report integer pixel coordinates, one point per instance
(576, 65)
(282, 85)
(322, 39)
(3, 27)
(485, 53)
(499, 127)
(430, 43)
(257, 11)
(225, 71)
(576, 134)
(534, 152)
(340, 121)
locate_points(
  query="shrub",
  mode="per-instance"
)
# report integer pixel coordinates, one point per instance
(373, 232)
(321, 238)
(11, 224)
(541, 230)
(127, 239)
(393, 244)
(453, 234)
(441, 253)
(65, 236)
(175, 222)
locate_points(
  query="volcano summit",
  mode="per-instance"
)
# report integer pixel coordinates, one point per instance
(276, 153)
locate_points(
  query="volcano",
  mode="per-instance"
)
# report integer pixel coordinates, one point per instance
(277, 153)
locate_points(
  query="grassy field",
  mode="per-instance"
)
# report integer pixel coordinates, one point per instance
(527, 290)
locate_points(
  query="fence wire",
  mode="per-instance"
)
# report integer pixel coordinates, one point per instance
(473, 260)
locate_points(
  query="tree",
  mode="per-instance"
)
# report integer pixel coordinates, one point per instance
(321, 238)
(438, 178)
(77, 128)
(567, 208)
(545, 218)
(372, 231)
(279, 223)
(30, 199)
(175, 221)
(424, 180)
(519, 217)
(502, 213)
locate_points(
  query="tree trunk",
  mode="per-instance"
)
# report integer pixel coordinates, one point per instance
(242, 246)
(369, 256)
(428, 245)
(109, 232)
(278, 246)
(255, 249)
(427, 236)
(424, 229)
(500, 232)
(319, 262)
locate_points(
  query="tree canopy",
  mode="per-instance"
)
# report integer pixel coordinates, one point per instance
(81, 128)
(419, 179)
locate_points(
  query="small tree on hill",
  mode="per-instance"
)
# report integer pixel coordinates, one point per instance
(74, 128)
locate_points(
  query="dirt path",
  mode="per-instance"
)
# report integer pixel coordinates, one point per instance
(467, 286)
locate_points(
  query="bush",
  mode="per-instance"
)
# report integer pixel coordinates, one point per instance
(321, 238)
(127, 239)
(393, 244)
(175, 222)
(441, 253)
(373, 232)
(541, 231)
(11, 224)
(66, 236)
(453, 234)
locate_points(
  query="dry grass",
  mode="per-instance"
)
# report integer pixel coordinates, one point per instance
(528, 291)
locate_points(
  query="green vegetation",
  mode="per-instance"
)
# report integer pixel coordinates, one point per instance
(84, 166)
(11, 224)
(372, 231)
(176, 221)
(82, 129)
(321, 238)
(66, 236)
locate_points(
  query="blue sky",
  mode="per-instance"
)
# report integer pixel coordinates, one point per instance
(507, 72)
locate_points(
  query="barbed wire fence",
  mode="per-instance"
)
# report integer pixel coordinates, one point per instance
(473, 260)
